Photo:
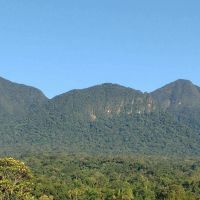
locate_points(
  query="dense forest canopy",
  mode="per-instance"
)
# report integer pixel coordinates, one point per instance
(82, 177)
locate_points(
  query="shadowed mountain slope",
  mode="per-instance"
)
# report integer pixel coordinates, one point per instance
(182, 99)
(17, 100)
(178, 95)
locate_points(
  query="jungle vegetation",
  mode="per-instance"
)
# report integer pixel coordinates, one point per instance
(82, 177)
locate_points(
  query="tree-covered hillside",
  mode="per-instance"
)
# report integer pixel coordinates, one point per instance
(17, 100)
(81, 177)
(182, 99)
(107, 118)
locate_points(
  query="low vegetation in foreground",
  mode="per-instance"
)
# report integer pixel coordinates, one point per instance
(81, 177)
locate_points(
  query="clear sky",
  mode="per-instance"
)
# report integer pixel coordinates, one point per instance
(59, 45)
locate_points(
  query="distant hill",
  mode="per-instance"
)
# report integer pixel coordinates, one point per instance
(177, 95)
(107, 118)
(16, 100)
(182, 99)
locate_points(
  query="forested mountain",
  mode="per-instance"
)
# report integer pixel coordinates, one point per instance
(182, 99)
(178, 95)
(105, 100)
(107, 118)
(17, 100)
(19, 104)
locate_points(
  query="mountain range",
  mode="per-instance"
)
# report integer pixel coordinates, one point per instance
(104, 119)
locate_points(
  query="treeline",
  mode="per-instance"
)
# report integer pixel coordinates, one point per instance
(82, 177)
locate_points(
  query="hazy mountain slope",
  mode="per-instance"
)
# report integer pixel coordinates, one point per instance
(104, 100)
(182, 99)
(107, 118)
(17, 100)
(178, 95)
(19, 105)
(111, 118)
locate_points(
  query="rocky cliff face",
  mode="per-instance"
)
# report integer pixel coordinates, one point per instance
(105, 100)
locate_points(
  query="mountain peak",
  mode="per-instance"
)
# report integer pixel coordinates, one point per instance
(111, 85)
(180, 93)
(17, 99)
(182, 82)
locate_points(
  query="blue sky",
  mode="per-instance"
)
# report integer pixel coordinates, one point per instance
(65, 44)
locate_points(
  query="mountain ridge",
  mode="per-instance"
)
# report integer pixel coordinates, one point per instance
(97, 85)
(106, 118)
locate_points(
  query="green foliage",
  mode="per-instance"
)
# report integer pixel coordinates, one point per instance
(45, 197)
(15, 180)
(79, 177)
